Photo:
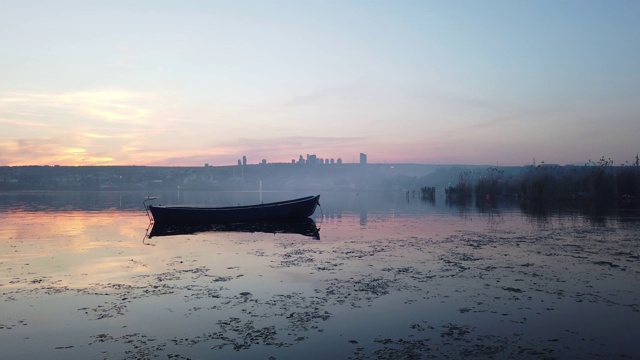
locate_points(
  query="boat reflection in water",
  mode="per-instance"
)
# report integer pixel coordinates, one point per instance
(306, 227)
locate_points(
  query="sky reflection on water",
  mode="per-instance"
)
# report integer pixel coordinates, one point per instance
(381, 283)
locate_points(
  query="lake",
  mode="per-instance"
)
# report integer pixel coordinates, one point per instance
(389, 277)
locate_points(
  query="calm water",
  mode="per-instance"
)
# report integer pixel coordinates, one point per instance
(390, 277)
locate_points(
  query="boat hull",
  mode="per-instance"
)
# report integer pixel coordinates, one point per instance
(283, 210)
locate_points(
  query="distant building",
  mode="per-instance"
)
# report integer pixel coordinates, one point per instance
(312, 159)
(264, 162)
(239, 162)
(332, 161)
(244, 160)
(301, 160)
(339, 161)
(363, 158)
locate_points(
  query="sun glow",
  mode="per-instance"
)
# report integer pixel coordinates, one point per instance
(101, 160)
(75, 151)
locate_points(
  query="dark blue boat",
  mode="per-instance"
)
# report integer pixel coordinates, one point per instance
(282, 210)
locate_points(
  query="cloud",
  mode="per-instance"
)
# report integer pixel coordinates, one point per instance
(328, 93)
(7, 120)
(485, 125)
(296, 145)
(51, 127)
(75, 151)
(32, 151)
(97, 136)
(110, 105)
(71, 149)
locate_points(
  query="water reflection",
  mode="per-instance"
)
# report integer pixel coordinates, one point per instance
(596, 213)
(306, 227)
(334, 204)
(391, 277)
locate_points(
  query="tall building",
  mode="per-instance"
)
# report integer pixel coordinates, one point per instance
(244, 160)
(363, 158)
(312, 159)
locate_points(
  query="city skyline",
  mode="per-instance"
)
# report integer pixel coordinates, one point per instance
(309, 159)
(430, 82)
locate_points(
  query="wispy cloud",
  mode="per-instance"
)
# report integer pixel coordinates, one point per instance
(110, 105)
(74, 128)
(75, 151)
(9, 120)
(97, 136)
(300, 142)
(328, 93)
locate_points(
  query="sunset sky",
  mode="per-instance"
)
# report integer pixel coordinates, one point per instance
(192, 82)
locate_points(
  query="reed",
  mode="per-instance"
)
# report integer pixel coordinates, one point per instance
(462, 192)
(599, 182)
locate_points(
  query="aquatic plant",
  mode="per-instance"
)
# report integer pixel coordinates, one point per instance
(463, 189)
(428, 193)
(490, 185)
(540, 188)
(628, 180)
(599, 181)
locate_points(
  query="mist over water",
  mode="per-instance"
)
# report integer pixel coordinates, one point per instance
(333, 203)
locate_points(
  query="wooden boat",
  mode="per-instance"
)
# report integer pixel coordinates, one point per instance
(282, 210)
(306, 227)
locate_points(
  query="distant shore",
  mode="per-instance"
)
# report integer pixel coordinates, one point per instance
(599, 182)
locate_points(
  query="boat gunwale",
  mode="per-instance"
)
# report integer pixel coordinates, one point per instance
(238, 207)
